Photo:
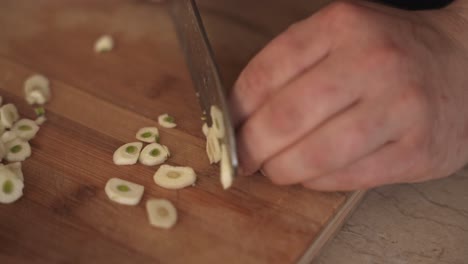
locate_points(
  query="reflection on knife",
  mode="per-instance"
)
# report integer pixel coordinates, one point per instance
(206, 79)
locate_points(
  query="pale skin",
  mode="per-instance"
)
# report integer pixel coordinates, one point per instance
(356, 96)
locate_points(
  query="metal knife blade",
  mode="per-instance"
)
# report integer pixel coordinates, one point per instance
(203, 69)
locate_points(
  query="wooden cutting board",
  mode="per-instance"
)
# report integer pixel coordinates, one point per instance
(100, 100)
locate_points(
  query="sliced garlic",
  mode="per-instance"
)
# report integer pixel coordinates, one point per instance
(205, 129)
(127, 154)
(25, 129)
(36, 89)
(217, 121)
(8, 136)
(8, 115)
(148, 134)
(171, 177)
(17, 150)
(167, 150)
(153, 154)
(166, 121)
(15, 167)
(103, 44)
(226, 174)
(161, 213)
(11, 187)
(2, 128)
(40, 120)
(213, 149)
(124, 192)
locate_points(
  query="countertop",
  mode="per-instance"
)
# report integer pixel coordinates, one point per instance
(409, 223)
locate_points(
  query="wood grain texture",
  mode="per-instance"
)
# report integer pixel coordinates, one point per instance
(99, 102)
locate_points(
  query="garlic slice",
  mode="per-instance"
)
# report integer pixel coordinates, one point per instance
(103, 44)
(8, 136)
(2, 128)
(11, 187)
(17, 150)
(205, 129)
(167, 150)
(8, 115)
(15, 167)
(226, 174)
(153, 154)
(217, 121)
(166, 121)
(161, 213)
(148, 134)
(36, 89)
(40, 120)
(25, 129)
(172, 177)
(213, 149)
(127, 154)
(124, 192)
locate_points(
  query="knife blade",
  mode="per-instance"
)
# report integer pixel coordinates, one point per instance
(204, 70)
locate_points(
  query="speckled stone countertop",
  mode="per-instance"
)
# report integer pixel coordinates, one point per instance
(410, 223)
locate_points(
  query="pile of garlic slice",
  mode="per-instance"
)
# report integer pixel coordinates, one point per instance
(216, 150)
(161, 212)
(15, 136)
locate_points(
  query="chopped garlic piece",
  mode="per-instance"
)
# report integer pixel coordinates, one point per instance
(213, 149)
(124, 192)
(8, 136)
(205, 129)
(171, 177)
(103, 44)
(2, 128)
(148, 134)
(15, 167)
(8, 115)
(25, 129)
(167, 150)
(17, 150)
(40, 120)
(11, 187)
(166, 121)
(217, 121)
(153, 154)
(127, 154)
(226, 173)
(161, 213)
(36, 89)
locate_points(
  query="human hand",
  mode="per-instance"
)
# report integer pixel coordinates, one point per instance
(354, 97)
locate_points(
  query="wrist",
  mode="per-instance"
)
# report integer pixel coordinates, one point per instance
(451, 22)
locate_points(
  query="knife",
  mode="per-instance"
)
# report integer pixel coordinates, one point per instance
(204, 72)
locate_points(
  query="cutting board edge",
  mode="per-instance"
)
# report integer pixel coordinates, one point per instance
(332, 227)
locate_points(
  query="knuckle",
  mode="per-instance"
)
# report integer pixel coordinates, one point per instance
(283, 117)
(341, 14)
(253, 79)
(386, 55)
(293, 38)
(318, 160)
(356, 135)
